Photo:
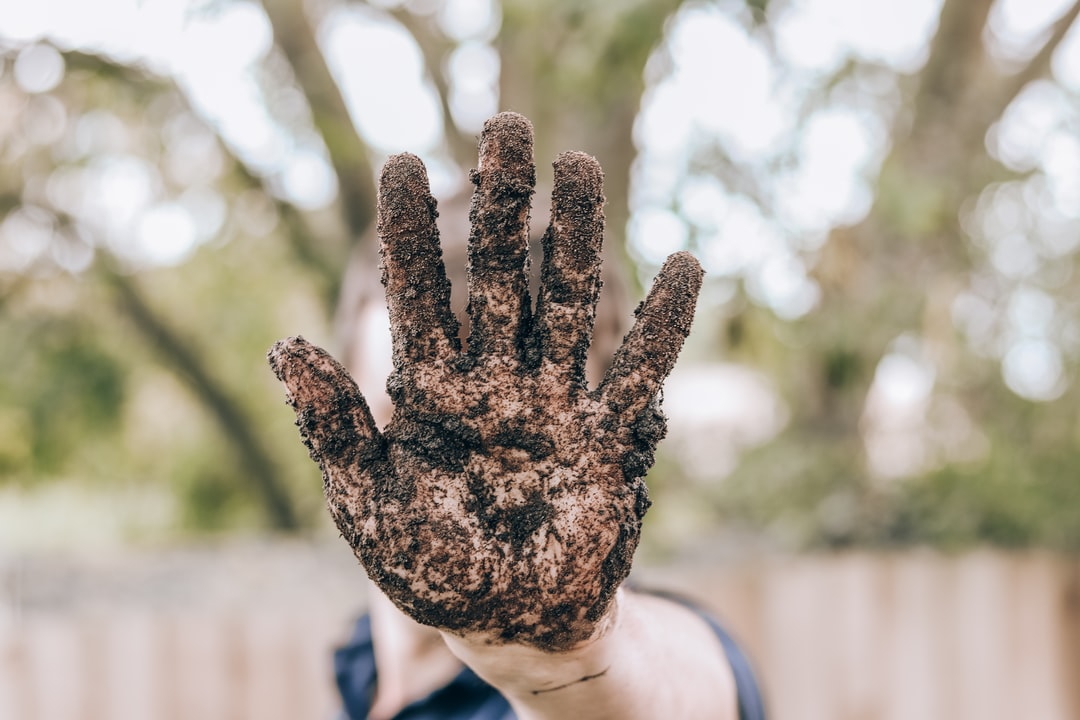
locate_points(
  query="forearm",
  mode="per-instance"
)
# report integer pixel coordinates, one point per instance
(502, 490)
(654, 659)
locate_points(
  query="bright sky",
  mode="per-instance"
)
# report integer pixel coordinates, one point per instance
(211, 48)
(722, 85)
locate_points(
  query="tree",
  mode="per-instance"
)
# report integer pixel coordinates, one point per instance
(896, 288)
(322, 242)
(918, 283)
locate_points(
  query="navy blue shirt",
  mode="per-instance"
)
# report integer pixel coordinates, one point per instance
(467, 697)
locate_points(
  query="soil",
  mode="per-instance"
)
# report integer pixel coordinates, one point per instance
(503, 499)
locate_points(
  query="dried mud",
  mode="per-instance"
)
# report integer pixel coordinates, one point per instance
(503, 499)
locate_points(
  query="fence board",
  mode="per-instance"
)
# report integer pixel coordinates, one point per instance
(984, 635)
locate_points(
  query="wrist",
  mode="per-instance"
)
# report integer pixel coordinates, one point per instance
(524, 670)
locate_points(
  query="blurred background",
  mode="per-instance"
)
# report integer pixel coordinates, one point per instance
(873, 465)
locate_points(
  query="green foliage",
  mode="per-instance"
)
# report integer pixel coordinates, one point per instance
(92, 396)
(85, 399)
(841, 368)
(210, 500)
(62, 389)
(1016, 500)
(801, 491)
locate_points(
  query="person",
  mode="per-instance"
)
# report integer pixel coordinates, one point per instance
(497, 513)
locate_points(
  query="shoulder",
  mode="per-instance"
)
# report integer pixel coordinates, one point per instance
(691, 619)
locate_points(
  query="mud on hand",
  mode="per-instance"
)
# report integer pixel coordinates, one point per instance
(504, 498)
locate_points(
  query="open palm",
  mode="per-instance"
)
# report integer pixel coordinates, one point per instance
(504, 498)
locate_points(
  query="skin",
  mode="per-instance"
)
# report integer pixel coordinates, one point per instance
(502, 503)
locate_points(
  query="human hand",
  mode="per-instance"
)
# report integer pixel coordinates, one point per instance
(504, 499)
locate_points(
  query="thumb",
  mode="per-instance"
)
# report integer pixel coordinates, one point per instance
(334, 420)
(649, 350)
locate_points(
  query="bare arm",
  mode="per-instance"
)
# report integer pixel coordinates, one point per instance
(657, 660)
(502, 503)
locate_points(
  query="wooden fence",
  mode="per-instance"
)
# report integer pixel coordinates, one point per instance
(917, 636)
(913, 636)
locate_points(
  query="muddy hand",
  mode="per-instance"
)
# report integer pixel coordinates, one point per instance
(504, 499)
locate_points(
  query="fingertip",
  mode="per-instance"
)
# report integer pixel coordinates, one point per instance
(683, 272)
(507, 142)
(403, 165)
(303, 367)
(405, 199)
(683, 262)
(507, 122)
(278, 353)
(671, 302)
(579, 173)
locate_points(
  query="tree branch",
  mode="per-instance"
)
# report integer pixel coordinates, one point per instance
(313, 255)
(296, 36)
(434, 47)
(956, 54)
(1039, 65)
(259, 466)
(297, 234)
